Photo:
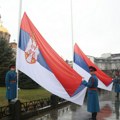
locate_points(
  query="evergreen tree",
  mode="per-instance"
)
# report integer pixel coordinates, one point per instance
(26, 82)
(6, 58)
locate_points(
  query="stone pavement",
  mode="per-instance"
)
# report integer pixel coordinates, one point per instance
(109, 106)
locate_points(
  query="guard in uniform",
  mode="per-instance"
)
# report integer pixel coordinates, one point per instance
(92, 95)
(11, 83)
(116, 82)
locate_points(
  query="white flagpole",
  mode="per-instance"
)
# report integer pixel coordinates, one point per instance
(71, 8)
(19, 22)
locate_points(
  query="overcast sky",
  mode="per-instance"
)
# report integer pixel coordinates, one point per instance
(95, 24)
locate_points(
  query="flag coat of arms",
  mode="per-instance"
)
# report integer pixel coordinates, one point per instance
(37, 59)
(81, 65)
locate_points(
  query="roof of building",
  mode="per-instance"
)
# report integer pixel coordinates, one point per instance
(3, 29)
(13, 43)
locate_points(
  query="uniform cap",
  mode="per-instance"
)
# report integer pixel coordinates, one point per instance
(92, 68)
(12, 66)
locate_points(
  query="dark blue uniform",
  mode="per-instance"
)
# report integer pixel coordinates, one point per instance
(93, 102)
(11, 85)
(92, 96)
(117, 86)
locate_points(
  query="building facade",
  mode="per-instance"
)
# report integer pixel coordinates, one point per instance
(4, 33)
(110, 63)
(6, 36)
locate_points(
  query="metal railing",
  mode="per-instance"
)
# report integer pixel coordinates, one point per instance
(31, 106)
(4, 111)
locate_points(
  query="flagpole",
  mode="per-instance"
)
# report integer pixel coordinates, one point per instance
(71, 8)
(19, 20)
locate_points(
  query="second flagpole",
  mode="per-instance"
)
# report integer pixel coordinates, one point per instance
(19, 21)
(71, 8)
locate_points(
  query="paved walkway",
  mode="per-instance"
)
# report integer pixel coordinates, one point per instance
(109, 105)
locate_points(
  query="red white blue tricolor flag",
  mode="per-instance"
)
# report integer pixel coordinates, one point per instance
(37, 59)
(81, 65)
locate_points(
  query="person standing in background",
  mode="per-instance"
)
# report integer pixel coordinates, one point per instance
(11, 83)
(92, 95)
(116, 82)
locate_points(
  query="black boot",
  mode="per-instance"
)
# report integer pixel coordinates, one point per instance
(117, 95)
(94, 116)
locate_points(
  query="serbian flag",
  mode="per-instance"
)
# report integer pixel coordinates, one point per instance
(81, 65)
(37, 59)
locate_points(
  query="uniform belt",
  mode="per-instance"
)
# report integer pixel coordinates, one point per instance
(92, 88)
(12, 81)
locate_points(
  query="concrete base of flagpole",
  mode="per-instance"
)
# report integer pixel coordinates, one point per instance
(54, 101)
(15, 110)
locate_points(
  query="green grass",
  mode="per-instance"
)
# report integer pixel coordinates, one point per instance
(24, 95)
